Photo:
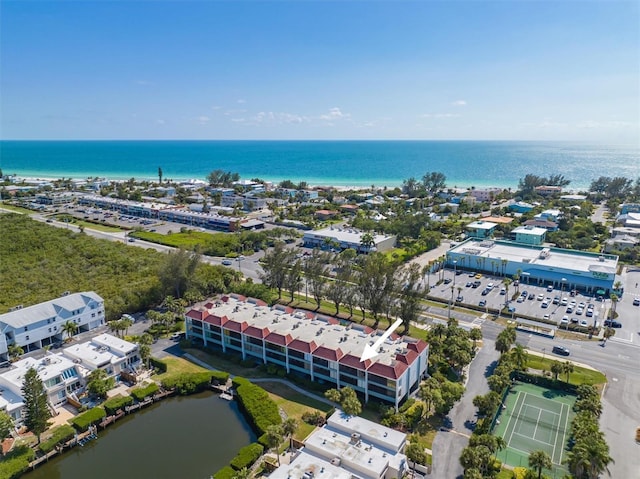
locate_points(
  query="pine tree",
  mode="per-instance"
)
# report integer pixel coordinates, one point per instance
(35, 400)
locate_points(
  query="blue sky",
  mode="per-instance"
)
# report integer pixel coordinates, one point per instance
(512, 70)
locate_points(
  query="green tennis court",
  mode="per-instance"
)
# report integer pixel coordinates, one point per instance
(533, 419)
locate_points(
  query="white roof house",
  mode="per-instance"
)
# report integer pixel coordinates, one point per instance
(104, 352)
(347, 238)
(347, 447)
(36, 326)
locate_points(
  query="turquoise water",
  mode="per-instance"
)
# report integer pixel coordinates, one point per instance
(338, 163)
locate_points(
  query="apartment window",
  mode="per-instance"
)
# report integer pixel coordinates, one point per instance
(93, 315)
(26, 328)
(49, 329)
(27, 338)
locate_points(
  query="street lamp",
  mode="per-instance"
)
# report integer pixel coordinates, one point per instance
(454, 275)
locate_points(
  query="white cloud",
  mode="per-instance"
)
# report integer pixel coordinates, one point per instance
(203, 120)
(440, 115)
(334, 114)
(459, 103)
(590, 124)
(216, 107)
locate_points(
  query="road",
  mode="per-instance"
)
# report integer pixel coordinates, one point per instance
(448, 445)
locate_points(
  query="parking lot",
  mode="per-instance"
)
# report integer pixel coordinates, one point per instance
(540, 302)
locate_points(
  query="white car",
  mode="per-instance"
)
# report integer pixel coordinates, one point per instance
(564, 302)
(584, 323)
(564, 320)
(540, 297)
(579, 311)
(490, 286)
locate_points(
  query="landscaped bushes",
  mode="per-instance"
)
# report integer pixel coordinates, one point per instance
(140, 393)
(188, 383)
(16, 462)
(227, 472)
(261, 409)
(117, 402)
(86, 419)
(158, 364)
(58, 434)
(247, 456)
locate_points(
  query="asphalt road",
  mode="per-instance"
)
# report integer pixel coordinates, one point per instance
(448, 445)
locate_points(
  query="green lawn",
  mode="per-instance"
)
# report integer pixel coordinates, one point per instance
(16, 209)
(178, 366)
(579, 376)
(88, 224)
(295, 405)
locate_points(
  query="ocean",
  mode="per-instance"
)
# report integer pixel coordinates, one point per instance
(337, 163)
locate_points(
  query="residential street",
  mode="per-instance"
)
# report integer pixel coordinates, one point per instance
(448, 445)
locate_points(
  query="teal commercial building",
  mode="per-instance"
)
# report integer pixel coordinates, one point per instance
(590, 273)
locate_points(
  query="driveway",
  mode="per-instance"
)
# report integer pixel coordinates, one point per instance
(448, 445)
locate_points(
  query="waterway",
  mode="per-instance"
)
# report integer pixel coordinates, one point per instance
(179, 438)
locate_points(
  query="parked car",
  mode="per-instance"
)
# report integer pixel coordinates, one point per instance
(531, 296)
(556, 300)
(483, 302)
(561, 350)
(612, 324)
(485, 292)
(227, 262)
(583, 323)
(564, 301)
(564, 320)
(549, 288)
(569, 309)
(447, 281)
(636, 301)
(459, 299)
(503, 291)
(540, 297)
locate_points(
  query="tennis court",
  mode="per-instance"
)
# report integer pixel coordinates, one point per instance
(532, 419)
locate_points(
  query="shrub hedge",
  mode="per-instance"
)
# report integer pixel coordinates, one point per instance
(247, 456)
(227, 472)
(117, 402)
(58, 434)
(86, 419)
(16, 462)
(189, 383)
(158, 364)
(140, 393)
(260, 408)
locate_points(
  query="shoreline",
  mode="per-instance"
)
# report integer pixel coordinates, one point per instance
(311, 184)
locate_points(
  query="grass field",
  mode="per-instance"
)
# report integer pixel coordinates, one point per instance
(579, 376)
(534, 418)
(178, 366)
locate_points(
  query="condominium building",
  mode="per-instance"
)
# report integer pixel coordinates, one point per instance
(34, 327)
(344, 238)
(317, 347)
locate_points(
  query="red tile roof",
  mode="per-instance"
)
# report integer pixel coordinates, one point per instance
(354, 362)
(216, 320)
(393, 371)
(417, 345)
(303, 346)
(236, 326)
(257, 332)
(279, 339)
(195, 314)
(328, 354)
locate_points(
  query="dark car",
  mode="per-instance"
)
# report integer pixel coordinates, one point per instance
(447, 281)
(612, 324)
(561, 350)
(459, 299)
(485, 292)
(531, 296)
(483, 302)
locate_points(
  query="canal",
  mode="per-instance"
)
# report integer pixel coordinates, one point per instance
(178, 438)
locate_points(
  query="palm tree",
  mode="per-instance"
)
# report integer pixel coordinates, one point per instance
(614, 303)
(69, 328)
(289, 428)
(243, 473)
(539, 460)
(567, 368)
(274, 439)
(475, 335)
(556, 369)
(589, 458)
(367, 241)
(506, 282)
(519, 356)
